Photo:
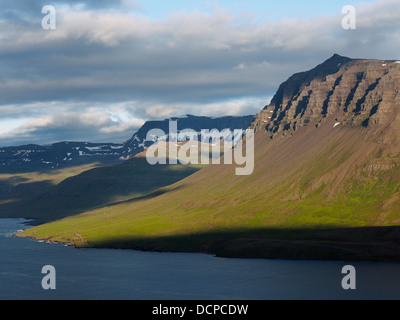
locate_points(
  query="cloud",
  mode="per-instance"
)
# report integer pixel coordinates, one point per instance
(104, 54)
(236, 107)
(112, 123)
(60, 124)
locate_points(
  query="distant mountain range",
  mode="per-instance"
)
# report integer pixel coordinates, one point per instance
(65, 154)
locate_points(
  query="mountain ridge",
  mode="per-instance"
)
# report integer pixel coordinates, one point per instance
(60, 155)
(356, 91)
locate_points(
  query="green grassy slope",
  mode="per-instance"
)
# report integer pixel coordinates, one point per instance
(322, 194)
(46, 200)
(27, 185)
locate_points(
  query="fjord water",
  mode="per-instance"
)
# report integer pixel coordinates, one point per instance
(93, 274)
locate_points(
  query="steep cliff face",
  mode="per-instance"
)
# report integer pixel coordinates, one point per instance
(354, 92)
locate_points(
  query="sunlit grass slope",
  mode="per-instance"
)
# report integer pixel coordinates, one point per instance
(307, 188)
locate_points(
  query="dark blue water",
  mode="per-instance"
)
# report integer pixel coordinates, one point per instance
(83, 274)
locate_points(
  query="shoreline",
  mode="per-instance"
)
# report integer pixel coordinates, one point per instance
(251, 248)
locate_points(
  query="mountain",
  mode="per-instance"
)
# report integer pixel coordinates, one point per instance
(354, 92)
(60, 155)
(29, 158)
(326, 182)
(44, 199)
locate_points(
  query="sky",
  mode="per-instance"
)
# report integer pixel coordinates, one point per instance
(111, 65)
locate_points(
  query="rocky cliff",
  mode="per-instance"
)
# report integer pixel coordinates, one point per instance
(354, 92)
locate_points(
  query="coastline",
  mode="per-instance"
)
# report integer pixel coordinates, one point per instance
(309, 246)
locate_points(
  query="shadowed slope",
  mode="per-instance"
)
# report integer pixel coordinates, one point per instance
(133, 179)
